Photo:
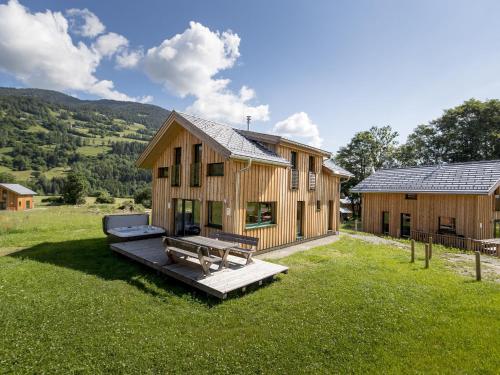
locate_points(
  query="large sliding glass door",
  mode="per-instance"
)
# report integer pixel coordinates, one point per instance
(187, 217)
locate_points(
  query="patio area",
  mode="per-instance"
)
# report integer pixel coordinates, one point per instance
(236, 276)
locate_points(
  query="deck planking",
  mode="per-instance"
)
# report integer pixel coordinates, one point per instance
(150, 252)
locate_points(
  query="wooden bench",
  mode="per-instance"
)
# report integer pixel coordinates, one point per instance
(238, 238)
(178, 251)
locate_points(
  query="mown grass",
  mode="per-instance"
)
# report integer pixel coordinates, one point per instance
(69, 305)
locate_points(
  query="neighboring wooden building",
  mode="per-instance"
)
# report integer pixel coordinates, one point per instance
(345, 209)
(209, 176)
(460, 199)
(15, 197)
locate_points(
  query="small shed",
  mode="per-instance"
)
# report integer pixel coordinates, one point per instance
(15, 197)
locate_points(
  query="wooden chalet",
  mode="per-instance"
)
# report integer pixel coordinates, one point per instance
(459, 201)
(209, 177)
(15, 197)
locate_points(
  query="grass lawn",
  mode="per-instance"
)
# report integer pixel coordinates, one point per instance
(68, 305)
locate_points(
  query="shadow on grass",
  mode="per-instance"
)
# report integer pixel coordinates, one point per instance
(93, 257)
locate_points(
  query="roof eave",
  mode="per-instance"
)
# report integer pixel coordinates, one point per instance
(413, 191)
(260, 160)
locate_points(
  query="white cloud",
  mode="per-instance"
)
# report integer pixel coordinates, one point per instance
(129, 59)
(37, 49)
(108, 44)
(84, 22)
(187, 64)
(299, 125)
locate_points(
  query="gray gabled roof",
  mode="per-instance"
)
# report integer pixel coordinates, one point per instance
(18, 189)
(478, 177)
(335, 169)
(233, 141)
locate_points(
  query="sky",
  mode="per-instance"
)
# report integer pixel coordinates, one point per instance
(314, 71)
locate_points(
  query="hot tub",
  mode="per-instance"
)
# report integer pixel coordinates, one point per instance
(130, 227)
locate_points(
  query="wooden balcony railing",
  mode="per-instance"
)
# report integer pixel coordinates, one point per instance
(294, 179)
(195, 175)
(312, 181)
(175, 179)
(458, 242)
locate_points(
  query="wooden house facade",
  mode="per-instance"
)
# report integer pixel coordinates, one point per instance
(15, 197)
(210, 177)
(459, 199)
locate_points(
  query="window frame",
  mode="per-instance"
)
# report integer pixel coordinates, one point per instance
(447, 231)
(294, 159)
(162, 175)
(318, 206)
(260, 223)
(496, 203)
(210, 171)
(312, 164)
(209, 214)
(411, 196)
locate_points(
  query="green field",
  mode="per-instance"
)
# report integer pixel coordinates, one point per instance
(68, 305)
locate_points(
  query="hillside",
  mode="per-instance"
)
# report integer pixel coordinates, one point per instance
(45, 133)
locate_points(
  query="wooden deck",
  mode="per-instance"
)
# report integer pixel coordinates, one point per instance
(236, 277)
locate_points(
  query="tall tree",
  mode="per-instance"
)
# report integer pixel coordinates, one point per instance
(470, 131)
(366, 152)
(75, 188)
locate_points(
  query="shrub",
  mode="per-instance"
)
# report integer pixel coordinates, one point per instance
(7, 178)
(75, 188)
(53, 201)
(104, 197)
(143, 197)
(127, 205)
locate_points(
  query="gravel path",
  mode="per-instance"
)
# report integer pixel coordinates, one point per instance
(289, 250)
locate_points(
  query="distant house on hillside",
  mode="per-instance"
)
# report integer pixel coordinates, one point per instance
(460, 199)
(209, 177)
(16, 197)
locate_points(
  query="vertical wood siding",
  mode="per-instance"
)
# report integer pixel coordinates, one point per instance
(260, 183)
(474, 214)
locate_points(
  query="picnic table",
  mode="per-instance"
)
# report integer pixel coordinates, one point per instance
(222, 247)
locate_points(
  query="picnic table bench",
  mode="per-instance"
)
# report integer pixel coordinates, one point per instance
(178, 251)
(239, 239)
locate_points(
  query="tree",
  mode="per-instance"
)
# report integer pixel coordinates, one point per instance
(75, 188)
(104, 197)
(366, 152)
(143, 197)
(7, 178)
(470, 131)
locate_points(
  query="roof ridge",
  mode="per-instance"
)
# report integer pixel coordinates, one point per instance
(440, 165)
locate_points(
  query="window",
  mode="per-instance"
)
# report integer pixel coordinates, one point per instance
(260, 214)
(311, 164)
(318, 205)
(447, 225)
(411, 197)
(28, 204)
(215, 169)
(163, 172)
(214, 214)
(4, 195)
(497, 202)
(496, 229)
(293, 160)
(177, 155)
(385, 222)
(197, 153)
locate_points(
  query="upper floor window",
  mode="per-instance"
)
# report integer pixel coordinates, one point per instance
(312, 167)
(197, 153)
(293, 160)
(215, 169)
(318, 205)
(177, 155)
(497, 202)
(411, 196)
(163, 172)
(447, 225)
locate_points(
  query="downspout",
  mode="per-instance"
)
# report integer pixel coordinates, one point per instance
(237, 197)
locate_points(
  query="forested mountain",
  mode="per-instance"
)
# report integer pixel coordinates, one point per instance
(43, 134)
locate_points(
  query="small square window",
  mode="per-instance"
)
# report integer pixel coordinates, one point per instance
(215, 169)
(163, 172)
(447, 225)
(318, 205)
(412, 197)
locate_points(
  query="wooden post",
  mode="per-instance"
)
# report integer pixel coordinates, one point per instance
(356, 225)
(412, 259)
(426, 255)
(469, 243)
(478, 266)
(430, 247)
(498, 250)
